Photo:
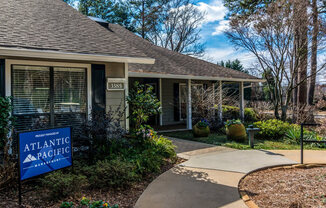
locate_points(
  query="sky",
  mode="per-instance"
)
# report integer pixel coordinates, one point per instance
(218, 47)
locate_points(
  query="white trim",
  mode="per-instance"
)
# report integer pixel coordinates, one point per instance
(47, 54)
(241, 94)
(189, 107)
(126, 81)
(88, 67)
(220, 101)
(176, 76)
(161, 102)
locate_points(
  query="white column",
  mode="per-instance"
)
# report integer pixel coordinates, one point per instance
(126, 83)
(213, 94)
(189, 110)
(220, 101)
(241, 98)
(161, 101)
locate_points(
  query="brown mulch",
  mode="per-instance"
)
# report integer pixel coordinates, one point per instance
(125, 198)
(287, 188)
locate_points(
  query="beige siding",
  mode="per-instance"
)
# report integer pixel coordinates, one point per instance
(115, 98)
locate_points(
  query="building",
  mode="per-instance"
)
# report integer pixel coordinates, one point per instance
(58, 65)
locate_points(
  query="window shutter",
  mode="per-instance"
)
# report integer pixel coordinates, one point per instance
(2, 78)
(176, 102)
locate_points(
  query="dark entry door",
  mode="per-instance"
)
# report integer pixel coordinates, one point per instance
(98, 87)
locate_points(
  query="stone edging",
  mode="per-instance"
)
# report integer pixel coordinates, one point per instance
(245, 197)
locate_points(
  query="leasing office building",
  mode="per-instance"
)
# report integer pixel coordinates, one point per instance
(58, 65)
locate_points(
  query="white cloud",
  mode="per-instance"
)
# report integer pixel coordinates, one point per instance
(221, 27)
(215, 11)
(215, 55)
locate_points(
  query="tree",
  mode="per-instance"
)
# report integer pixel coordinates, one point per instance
(145, 15)
(112, 11)
(235, 64)
(180, 28)
(268, 34)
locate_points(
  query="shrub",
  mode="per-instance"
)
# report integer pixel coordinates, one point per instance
(87, 203)
(231, 112)
(293, 135)
(5, 119)
(235, 130)
(143, 104)
(110, 173)
(272, 129)
(61, 184)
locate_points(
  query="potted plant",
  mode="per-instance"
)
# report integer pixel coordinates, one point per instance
(235, 130)
(201, 129)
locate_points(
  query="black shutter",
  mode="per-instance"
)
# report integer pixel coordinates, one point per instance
(98, 87)
(2, 77)
(176, 102)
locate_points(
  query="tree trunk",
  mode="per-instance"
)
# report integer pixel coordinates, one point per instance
(284, 112)
(276, 113)
(143, 20)
(313, 52)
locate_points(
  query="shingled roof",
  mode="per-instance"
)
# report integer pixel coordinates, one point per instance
(53, 25)
(171, 63)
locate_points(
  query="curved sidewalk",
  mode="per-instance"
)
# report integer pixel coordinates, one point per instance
(210, 176)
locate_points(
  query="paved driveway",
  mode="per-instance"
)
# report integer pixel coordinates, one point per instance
(208, 179)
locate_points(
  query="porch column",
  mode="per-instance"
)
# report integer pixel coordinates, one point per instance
(241, 98)
(220, 101)
(126, 95)
(189, 110)
(161, 100)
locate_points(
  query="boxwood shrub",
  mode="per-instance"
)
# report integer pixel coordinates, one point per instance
(231, 112)
(272, 129)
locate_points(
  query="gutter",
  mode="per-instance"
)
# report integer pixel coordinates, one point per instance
(176, 76)
(47, 54)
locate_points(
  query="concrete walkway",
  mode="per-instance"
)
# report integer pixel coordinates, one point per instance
(210, 176)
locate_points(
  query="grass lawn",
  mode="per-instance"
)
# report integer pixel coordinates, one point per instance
(220, 139)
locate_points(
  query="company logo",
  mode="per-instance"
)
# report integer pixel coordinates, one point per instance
(29, 158)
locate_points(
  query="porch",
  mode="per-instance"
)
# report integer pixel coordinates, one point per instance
(177, 100)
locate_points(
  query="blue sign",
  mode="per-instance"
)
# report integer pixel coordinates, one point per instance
(44, 151)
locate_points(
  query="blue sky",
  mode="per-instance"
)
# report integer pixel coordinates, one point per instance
(218, 47)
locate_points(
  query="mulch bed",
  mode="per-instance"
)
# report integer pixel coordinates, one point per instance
(287, 187)
(125, 198)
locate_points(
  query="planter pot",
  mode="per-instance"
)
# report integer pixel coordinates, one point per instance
(236, 132)
(200, 131)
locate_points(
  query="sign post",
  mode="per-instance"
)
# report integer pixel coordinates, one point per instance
(43, 151)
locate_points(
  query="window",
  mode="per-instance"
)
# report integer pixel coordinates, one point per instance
(48, 96)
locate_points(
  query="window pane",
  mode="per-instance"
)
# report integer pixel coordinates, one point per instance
(30, 89)
(69, 90)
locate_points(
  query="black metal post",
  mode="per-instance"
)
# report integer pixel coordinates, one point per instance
(301, 143)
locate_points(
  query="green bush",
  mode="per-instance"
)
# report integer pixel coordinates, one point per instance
(272, 129)
(143, 103)
(61, 184)
(293, 135)
(110, 173)
(231, 112)
(5, 119)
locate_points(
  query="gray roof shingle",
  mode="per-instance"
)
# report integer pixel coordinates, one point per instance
(54, 25)
(170, 62)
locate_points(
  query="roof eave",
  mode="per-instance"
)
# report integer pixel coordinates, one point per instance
(179, 76)
(47, 54)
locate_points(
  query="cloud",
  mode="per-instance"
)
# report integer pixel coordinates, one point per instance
(214, 11)
(215, 55)
(221, 27)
